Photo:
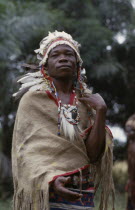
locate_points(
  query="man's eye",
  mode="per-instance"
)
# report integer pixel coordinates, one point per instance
(53, 55)
(70, 53)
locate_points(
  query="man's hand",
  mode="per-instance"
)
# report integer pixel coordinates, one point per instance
(95, 101)
(59, 187)
(95, 142)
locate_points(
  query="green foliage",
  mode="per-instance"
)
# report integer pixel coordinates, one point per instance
(120, 201)
(5, 205)
(22, 26)
(115, 14)
(82, 20)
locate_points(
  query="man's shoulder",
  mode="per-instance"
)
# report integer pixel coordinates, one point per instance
(30, 97)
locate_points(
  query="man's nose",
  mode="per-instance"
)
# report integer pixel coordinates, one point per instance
(63, 58)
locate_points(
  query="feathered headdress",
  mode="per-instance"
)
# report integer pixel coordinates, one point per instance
(54, 39)
(35, 81)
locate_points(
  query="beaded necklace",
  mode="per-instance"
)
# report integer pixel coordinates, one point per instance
(68, 114)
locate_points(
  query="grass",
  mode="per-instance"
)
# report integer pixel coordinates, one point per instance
(120, 178)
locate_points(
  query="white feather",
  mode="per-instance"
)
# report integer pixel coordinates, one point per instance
(35, 74)
(14, 95)
(67, 128)
(30, 77)
(26, 79)
(28, 84)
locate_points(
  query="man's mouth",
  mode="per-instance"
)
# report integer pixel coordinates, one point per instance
(64, 66)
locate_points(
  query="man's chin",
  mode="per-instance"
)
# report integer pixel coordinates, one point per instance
(65, 76)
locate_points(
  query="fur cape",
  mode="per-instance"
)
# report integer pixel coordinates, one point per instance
(39, 155)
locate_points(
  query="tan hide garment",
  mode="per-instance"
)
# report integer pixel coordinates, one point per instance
(39, 154)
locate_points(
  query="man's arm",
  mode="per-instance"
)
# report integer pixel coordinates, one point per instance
(95, 143)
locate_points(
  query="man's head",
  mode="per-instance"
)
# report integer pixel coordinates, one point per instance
(54, 39)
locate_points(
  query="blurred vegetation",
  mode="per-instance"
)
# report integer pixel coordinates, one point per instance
(5, 205)
(120, 175)
(95, 24)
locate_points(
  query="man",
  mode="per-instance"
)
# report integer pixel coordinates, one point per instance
(60, 145)
(130, 130)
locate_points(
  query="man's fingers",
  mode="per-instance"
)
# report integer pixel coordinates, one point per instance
(83, 99)
(63, 180)
(59, 187)
(67, 180)
(68, 194)
(95, 101)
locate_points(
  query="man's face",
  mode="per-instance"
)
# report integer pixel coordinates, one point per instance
(62, 62)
